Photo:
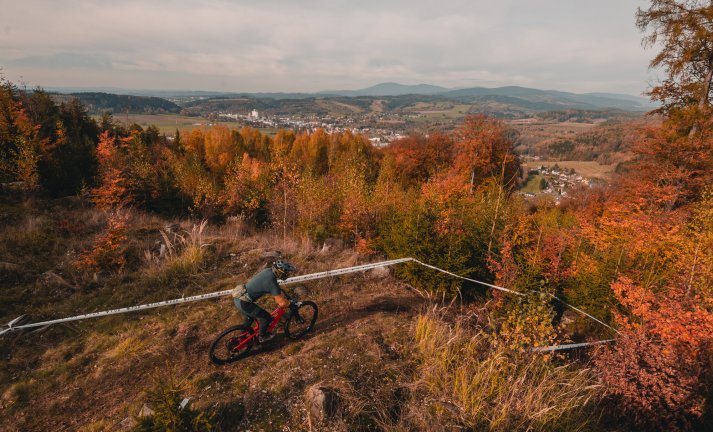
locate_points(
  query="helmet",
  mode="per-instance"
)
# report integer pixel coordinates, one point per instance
(282, 268)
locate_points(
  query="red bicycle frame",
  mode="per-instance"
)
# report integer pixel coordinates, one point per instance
(276, 315)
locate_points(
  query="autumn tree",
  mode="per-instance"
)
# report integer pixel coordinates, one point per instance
(8, 100)
(357, 220)
(283, 206)
(318, 207)
(111, 192)
(684, 30)
(219, 149)
(247, 192)
(408, 156)
(483, 149)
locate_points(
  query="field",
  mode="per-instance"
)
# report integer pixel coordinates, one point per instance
(589, 169)
(168, 123)
(442, 111)
(531, 133)
(533, 184)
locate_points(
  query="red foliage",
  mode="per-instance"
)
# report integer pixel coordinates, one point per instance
(659, 363)
(484, 149)
(418, 158)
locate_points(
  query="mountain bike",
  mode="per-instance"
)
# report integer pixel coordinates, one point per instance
(236, 342)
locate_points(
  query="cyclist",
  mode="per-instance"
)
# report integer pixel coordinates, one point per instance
(264, 282)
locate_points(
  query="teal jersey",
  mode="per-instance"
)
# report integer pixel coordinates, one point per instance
(263, 283)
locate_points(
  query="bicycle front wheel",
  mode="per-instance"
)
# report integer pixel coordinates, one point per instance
(302, 322)
(231, 345)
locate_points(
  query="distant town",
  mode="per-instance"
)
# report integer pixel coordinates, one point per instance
(379, 137)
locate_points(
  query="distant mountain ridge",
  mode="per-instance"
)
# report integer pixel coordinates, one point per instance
(100, 102)
(390, 89)
(530, 99)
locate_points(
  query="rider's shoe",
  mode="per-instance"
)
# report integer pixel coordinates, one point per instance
(266, 337)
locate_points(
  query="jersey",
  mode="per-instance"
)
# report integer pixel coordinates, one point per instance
(263, 283)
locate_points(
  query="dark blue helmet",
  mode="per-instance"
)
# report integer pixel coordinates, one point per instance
(283, 268)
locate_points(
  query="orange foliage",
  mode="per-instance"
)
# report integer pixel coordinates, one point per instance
(445, 193)
(661, 359)
(193, 141)
(111, 192)
(484, 149)
(417, 158)
(218, 148)
(246, 186)
(107, 252)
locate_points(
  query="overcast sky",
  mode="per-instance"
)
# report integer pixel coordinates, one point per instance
(310, 45)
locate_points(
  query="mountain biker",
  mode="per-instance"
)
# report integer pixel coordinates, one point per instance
(264, 282)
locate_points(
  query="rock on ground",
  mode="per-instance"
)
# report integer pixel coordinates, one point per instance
(321, 402)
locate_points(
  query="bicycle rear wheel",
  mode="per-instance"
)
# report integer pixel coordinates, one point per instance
(231, 345)
(302, 323)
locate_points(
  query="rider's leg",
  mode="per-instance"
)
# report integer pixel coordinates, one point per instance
(254, 311)
(248, 319)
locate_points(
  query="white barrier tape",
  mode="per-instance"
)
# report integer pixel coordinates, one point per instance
(347, 270)
(122, 310)
(295, 279)
(569, 346)
(182, 300)
(583, 312)
(517, 293)
(468, 279)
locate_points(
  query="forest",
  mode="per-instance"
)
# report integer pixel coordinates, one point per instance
(636, 253)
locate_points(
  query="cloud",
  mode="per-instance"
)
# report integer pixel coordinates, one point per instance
(64, 60)
(313, 44)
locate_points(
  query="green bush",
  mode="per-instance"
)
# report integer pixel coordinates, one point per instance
(165, 399)
(453, 236)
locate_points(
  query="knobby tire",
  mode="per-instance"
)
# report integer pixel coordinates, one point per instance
(221, 351)
(308, 312)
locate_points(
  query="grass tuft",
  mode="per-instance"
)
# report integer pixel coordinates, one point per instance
(478, 386)
(182, 255)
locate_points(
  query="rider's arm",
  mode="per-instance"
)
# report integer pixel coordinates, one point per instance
(282, 301)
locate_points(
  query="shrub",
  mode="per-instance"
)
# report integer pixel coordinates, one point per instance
(165, 399)
(109, 246)
(528, 323)
(659, 365)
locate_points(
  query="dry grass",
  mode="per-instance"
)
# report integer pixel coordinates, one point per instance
(476, 385)
(181, 254)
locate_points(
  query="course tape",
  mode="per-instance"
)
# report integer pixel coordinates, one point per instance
(570, 346)
(539, 349)
(499, 288)
(296, 279)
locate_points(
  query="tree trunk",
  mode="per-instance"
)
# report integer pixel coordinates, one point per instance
(707, 84)
(284, 215)
(497, 206)
(703, 101)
